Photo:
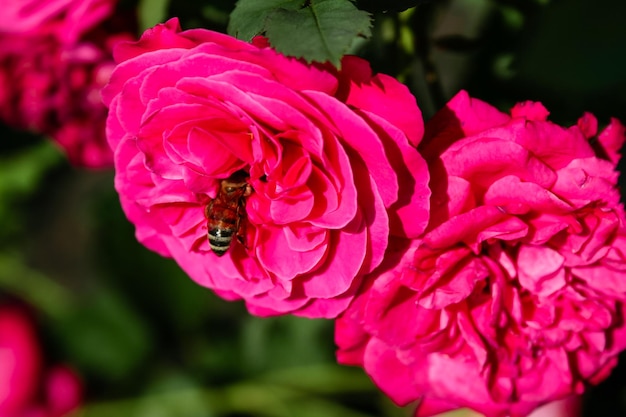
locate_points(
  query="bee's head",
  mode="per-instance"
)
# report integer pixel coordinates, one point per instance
(237, 183)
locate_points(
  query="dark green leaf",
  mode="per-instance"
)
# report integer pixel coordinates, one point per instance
(322, 31)
(249, 17)
(316, 30)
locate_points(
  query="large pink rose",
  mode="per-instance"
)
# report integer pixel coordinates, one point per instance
(51, 76)
(328, 157)
(514, 296)
(27, 389)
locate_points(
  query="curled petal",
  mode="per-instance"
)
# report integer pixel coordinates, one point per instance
(343, 244)
(384, 96)
(612, 139)
(269, 255)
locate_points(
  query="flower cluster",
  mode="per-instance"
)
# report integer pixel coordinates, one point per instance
(514, 295)
(27, 387)
(303, 171)
(54, 59)
(305, 189)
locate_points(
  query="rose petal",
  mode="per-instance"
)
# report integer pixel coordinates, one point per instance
(612, 139)
(383, 96)
(355, 133)
(540, 269)
(335, 278)
(517, 197)
(530, 110)
(393, 377)
(286, 266)
(485, 159)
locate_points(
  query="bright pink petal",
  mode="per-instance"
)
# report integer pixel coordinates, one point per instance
(588, 125)
(485, 159)
(384, 96)
(612, 139)
(517, 197)
(409, 215)
(530, 110)
(358, 137)
(392, 376)
(346, 253)
(540, 269)
(287, 264)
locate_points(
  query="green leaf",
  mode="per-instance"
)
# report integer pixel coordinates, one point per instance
(249, 16)
(322, 31)
(316, 30)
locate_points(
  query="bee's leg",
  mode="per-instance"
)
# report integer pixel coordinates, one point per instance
(207, 214)
(208, 209)
(240, 226)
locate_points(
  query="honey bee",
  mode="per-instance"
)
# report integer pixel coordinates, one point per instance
(226, 212)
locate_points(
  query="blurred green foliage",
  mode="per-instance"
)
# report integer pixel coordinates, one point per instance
(150, 342)
(151, 12)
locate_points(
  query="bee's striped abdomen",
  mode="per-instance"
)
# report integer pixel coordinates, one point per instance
(223, 224)
(220, 239)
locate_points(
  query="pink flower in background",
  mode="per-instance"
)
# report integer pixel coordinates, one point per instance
(27, 388)
(326, 162)
(67, 20)
(514, 296)
(52, 70)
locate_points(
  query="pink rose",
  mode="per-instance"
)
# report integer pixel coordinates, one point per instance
(26, 388)
(68, 20)
(514, 296)
(50, 81)
(326, 162)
